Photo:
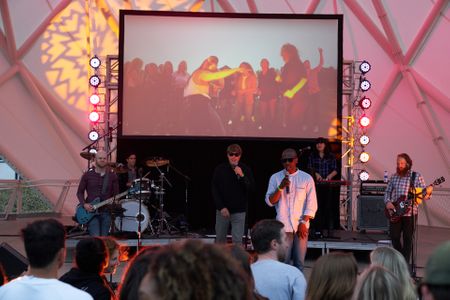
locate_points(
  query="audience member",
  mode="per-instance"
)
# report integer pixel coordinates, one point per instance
(244, 259)
(91, 259)
(113, 249)
(44, 242)
(436, 282)
(333, 277)
(273, 278)
(194, 270)
(377, 283)
(136, 270)
(395, 262)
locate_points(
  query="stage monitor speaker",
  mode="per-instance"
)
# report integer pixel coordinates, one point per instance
(12, 261)
(371, 213)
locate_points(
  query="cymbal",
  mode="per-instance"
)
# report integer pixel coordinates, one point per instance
(156, 162)
(87, 155)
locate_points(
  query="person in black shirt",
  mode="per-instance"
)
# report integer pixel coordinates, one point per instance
(232, 184)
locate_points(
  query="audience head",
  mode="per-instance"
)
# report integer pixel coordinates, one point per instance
(377, 283)
(267, 236)
(44, 242)
(395, 262)
(113, 249)
(194, 270)
(436, 282)
(91, 255)
(136, 270)
(333, 276)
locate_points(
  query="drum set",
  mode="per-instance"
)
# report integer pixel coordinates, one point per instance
(134, 214)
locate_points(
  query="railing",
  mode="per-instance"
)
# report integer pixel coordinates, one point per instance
(24, 197)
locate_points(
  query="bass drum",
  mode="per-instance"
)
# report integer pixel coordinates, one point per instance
(129, 221)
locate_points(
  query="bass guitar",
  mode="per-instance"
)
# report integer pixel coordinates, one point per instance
(83, 216)
(403, 203)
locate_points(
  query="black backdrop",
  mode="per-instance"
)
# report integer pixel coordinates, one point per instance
(197, 158)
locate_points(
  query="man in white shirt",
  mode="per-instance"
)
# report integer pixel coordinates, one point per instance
(293, 194)
(273, 278)
(44, 242)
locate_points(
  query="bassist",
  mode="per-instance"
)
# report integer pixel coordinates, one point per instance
(399, 185)
(99, 182)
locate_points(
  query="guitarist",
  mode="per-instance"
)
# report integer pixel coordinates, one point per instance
(399, 185)
(99, 182)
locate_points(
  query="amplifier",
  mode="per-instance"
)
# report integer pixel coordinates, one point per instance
(373, 187)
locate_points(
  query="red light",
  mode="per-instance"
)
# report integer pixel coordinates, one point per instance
(364, 121)
(94, 116)
(365, 103)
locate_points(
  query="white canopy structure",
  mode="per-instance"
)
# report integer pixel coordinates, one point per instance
(46, 45)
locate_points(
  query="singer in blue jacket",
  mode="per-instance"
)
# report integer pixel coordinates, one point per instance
(232, 184)
(293, 194)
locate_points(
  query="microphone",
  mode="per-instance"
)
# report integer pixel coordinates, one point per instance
(304, 149)
(287, 187)
(234, 167)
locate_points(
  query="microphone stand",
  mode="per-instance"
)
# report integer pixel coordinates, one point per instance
(186, 185)
(139, 211)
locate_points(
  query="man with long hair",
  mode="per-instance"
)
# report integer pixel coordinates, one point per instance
(400, 185)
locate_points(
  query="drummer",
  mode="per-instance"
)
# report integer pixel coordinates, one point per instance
(128, 173)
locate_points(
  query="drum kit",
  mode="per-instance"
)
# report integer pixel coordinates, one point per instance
(133, 212)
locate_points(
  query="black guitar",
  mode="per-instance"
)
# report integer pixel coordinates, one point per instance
(404, 202)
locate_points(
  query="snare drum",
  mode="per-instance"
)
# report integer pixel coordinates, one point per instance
(129, 221)
(142, 185)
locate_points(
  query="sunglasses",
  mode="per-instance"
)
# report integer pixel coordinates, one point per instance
(284, 160)
(234, 154)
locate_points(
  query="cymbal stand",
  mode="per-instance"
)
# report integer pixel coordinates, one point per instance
(160, 192)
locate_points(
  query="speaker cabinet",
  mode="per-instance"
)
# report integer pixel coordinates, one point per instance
(12, 261)
(371, 213)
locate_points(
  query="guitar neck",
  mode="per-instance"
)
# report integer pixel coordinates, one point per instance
(109, 200)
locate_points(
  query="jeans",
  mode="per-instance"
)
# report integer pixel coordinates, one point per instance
(99, 224)
(406, 226)
(237, 221)
(296, 251)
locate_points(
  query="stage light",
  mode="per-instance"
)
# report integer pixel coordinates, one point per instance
(95, 81)
(95, 62)
(365, 67)
(365, 103)
(364, 157)
(94, 116)
(364, 85)
(93, 135)
(94, 99)
(93, 151)
(363, 175)
(364, 121)
(364, 140)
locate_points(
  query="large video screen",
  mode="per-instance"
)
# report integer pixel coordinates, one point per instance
(229, 75)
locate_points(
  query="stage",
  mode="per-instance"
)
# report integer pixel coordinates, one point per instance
(360, 243)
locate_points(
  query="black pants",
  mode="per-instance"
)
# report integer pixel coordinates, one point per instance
(405, 226)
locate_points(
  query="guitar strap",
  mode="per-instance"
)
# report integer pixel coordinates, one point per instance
(105, 184)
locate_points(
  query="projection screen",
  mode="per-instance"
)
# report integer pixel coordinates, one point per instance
(229, 75)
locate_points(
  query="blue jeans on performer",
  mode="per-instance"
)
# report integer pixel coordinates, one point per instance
(99, 224)
(297, 250)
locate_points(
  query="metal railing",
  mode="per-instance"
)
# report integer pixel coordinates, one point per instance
(25, 197)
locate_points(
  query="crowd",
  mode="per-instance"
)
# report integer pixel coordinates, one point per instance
(192, 269)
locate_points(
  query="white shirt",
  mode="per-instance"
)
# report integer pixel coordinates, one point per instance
(30, 287)
(276, 280)
(300, 201)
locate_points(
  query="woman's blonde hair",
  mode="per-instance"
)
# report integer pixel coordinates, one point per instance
(377, 283)
(395, 262)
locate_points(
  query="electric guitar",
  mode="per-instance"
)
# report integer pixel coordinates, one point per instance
(404, 202)
(83, 216)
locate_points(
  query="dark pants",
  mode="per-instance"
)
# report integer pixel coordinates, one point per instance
(405, 226)
(327, 215)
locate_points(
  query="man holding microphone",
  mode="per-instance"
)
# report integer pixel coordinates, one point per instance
(232, 183)
(293, 194)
